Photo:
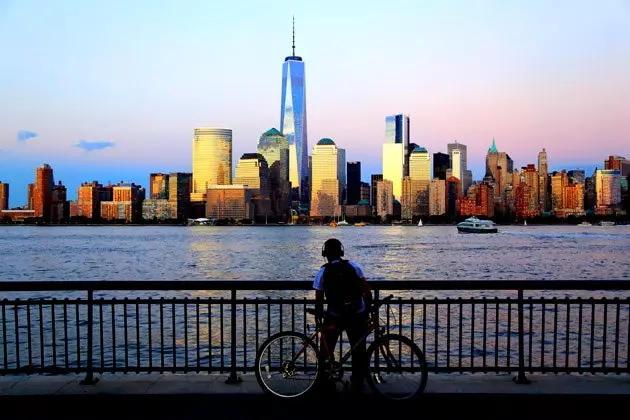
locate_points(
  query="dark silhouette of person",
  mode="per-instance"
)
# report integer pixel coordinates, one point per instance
(342, 285)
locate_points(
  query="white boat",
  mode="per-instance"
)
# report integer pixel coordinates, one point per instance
(524, 222)
(475, 225)
(585, 224)
(606, 223)
(343, 223)
(420, 223)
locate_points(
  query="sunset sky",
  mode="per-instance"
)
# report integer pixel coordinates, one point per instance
(112, 90)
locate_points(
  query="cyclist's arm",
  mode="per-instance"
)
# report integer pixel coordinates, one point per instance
(367, 292)
(319, 302)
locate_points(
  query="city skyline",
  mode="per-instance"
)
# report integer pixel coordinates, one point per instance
(526, 82)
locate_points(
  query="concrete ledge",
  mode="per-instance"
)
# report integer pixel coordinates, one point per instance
(177, 396)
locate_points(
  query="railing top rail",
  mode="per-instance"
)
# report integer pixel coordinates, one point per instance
(180, 285)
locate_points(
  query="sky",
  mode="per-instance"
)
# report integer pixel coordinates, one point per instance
(112, 90)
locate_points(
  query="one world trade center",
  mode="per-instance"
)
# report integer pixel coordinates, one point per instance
(293, 121)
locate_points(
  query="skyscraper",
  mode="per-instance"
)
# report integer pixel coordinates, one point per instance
(293, 119)
(275, 149)
(395, 151)
(440, 165)
(252, 170)
(4, 196)
(179, 189)
(158, 186)
(543, 175)
(42, 196)
(466, 174)
(212, 160)
(354, 183)
(325, 184)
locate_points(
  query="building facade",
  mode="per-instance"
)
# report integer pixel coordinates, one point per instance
(212, 160)
(158, 186)
(275, 149)
(4, 196)
(396, 150)
(229, 202)
(253, 172)
(42, 194)
(325, 183)
(353, 195)
(293, 120)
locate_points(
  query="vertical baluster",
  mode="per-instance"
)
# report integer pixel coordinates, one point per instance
(579, 343)
(126, 335)
(531, 333)
(244, 334)
(605, 334)
(567, 330)
(424, 326)
(461, 334)
(542, 333)
(555, 334)
(174, 337)
(521, 379)
(101, 334)
(5, 365)
(617, 320)
(89, 377)
(496, 334)
(138, 363)
(186, 334)
(448, 332)
(256, 320)
(472, 332)
(209, 335)
(162, 334)
(28, 332)
(233, 378)
(53, 332)
(436, 332)
(150, 333)
(509, 333)
(198, 335)
(592, 300)
(65, 335)
(17, 335)
(114, 356)
(42, 361)
(221, 332)
(77, 318)
(485, 332)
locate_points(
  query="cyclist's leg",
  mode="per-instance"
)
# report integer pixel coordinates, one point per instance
(356, 328)
(329, 337)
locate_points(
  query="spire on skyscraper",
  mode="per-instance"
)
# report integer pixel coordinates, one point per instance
(293, 45)
(493, 148)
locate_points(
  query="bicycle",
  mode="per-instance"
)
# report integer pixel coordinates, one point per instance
(289, 364)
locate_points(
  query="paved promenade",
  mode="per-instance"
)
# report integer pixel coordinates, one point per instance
(192, 396)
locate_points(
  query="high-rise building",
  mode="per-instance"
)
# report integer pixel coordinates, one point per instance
(179, 189)
(42, 197)
(441, 164)
(275, 149)
(618, 162)
(437, 197)
(462, 169)
(607, 187)
(365, 192)
(252, 171)
(384, 198)
(420, 175)
(293, 119)
(325, 183)
(158, 186)
(341, 170)
(353, 195)
(212, 160)
(30, 194)
(559, 181)
(60, 207)
(395, 151)
(89, 200)
(577, 176)
(374, 178)
(4, 196)
(544, 196)
(229, 202)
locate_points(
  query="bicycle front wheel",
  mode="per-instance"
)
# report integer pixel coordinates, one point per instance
(397, 368)
(287, 364)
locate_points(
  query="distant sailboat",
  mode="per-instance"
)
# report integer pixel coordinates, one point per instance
(420, 223)
(524, 222)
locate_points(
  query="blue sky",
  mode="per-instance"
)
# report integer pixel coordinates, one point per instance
(112, 90)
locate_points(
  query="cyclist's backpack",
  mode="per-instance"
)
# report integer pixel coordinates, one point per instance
(343, 288)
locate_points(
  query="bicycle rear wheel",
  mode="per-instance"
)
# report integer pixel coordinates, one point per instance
(287, 364)
(397, 368)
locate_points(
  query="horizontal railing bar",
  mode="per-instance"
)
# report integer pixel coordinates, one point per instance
(180, 285)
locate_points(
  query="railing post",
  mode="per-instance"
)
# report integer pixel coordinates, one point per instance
(233, 379)
(89, 377)
(521, 378)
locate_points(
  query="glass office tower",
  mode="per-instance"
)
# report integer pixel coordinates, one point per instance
(395, 151)
(212, 160)
(293, 120)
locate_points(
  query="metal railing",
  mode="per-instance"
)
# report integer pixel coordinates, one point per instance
(216, 326)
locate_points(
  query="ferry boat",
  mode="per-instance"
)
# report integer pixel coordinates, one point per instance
(475, 225)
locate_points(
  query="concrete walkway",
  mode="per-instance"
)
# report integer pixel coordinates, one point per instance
(176, 396)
